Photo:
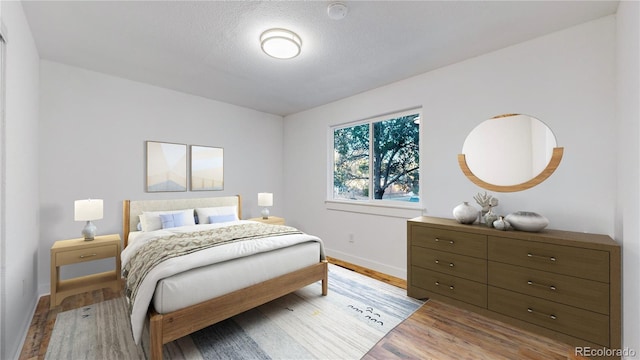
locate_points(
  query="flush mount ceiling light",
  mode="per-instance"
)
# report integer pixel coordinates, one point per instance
(280, 43)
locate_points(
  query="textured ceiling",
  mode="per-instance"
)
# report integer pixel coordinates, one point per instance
(211, 48)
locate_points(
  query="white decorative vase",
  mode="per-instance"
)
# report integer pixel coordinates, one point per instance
(527, 221)
(501, 224)
(490, 217)
(465, 213)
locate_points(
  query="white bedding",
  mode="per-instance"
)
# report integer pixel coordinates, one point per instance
(207, 282)
(198, 259)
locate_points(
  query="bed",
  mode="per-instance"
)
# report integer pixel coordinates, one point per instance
(270, 262)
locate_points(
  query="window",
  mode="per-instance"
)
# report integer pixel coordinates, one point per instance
(377, 159)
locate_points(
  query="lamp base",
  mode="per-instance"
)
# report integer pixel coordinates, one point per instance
(89, 231)
(265, 213)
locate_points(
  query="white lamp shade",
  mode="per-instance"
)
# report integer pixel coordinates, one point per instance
(265, 199)
(87, 210)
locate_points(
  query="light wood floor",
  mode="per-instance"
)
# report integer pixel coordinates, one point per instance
(436, 331)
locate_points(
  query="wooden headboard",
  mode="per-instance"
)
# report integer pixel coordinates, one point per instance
(132, 208)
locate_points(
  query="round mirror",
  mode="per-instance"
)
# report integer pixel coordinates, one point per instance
(510, 152)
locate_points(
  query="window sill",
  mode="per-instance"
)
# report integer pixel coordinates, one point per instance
(379, 208)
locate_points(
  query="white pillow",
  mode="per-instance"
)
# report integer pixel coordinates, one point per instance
(151, 221)
(204, 213)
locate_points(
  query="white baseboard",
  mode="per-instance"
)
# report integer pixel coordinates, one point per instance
(25, 330)
(373, 265)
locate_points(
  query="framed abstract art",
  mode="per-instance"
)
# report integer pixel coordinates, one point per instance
(207, 168)
(166, 166)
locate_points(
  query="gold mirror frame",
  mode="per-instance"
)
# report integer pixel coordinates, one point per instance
(556, 156)
(554, 161)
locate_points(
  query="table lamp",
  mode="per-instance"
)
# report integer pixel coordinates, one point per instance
(88, 210)
(265, 200)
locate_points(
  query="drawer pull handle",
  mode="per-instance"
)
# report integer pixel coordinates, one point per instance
(550, 316)
(450, 286)
(551, 287)
(450, 264)
(550, 258)
(86, 256)
(450, 241)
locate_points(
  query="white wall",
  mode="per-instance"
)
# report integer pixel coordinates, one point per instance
(20, 203)
(565, 79)
(93, 129)
(628, 122)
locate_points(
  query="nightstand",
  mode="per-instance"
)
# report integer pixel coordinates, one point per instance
(74, 251)
(273, 220)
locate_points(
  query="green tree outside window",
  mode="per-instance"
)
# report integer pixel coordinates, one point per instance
(378, 159)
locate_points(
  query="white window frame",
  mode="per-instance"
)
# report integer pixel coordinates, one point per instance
(372, 206)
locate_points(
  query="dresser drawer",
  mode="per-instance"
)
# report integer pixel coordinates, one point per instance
(451, 286)
(579, 323)
(450, 241)
(89, 254)
(467, 267)
(568, 260)
(586, 294)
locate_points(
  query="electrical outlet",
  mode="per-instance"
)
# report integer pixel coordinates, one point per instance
(352, 238)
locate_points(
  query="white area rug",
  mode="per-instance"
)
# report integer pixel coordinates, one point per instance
(357, 312)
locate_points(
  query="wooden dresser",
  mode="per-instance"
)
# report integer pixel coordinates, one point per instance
(561, 284)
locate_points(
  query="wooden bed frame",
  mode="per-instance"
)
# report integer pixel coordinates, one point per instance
(164, 328)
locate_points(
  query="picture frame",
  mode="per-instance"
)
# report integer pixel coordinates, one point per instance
(207, 168)
(166, 167)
